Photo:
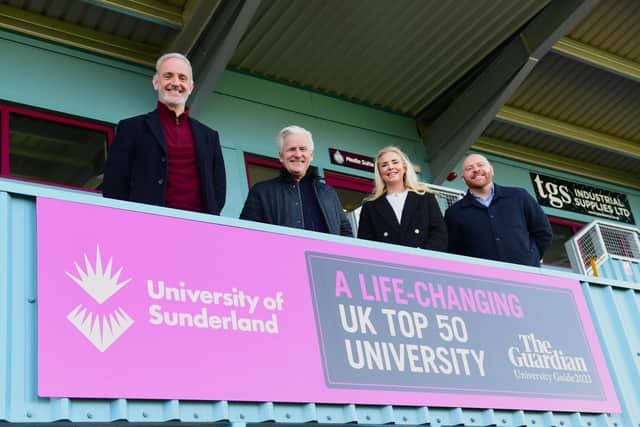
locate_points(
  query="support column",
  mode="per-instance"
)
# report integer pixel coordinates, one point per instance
(448, 137)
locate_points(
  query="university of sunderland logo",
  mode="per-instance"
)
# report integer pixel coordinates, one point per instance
(101, 329)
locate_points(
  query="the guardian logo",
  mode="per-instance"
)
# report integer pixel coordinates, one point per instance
(538, 353)
(100, 329)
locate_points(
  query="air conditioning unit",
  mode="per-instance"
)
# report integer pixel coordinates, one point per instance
(599, 243)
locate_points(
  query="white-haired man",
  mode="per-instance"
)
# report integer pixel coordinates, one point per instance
(165, 157)
(297, 198)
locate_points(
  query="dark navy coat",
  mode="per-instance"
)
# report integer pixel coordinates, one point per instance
(512, 229)
(421, 225)
(279, 201)
(136, 168)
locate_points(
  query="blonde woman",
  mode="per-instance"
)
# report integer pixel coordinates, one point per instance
(401, 210)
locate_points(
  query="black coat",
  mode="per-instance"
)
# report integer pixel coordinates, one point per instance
(136, 168)
(422, 225)
(278, 201)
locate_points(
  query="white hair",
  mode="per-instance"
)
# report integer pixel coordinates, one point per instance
(289, 130)
(173, 55)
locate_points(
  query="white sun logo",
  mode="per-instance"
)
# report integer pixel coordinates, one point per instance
(101, 285)
(101, 330)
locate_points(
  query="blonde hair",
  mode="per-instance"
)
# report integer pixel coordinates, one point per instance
(411, 182)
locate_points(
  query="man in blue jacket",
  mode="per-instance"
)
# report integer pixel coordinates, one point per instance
(496, 222)
(297, 198)
(165, 157)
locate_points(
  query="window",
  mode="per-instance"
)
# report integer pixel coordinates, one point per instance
(260, 169)
(46, 148)
(563, 230)
(351, 189)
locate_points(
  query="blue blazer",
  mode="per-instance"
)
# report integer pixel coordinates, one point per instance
(512, 229)
(136, 167)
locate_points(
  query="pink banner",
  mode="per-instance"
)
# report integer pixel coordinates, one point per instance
(140, 306)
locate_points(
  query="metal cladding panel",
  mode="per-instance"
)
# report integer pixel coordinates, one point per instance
(18, 292)
(613, 26)
(581, 95)
(394, 55)
(102, 19)
(615, 311)
(560, 146)
(622, 270)
(5, 315)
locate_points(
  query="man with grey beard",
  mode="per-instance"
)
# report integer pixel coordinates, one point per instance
(165, 157)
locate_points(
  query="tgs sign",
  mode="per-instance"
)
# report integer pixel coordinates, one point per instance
(570, 196)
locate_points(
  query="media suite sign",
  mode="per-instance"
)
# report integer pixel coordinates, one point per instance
(351, 160)
(580, 198)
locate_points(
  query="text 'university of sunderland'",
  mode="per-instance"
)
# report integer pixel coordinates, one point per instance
(202, 318)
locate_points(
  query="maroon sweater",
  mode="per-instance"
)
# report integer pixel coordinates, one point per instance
(183, 180)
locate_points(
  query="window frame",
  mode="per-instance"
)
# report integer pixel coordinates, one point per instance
(349, 182)
(573, 225)
(5, 135)
(260, 161)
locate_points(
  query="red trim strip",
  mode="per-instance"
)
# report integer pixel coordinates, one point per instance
(350, 182)
(57, 119)
(4, 143)
(575, 226)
